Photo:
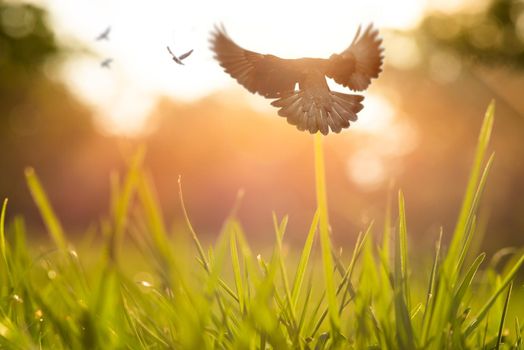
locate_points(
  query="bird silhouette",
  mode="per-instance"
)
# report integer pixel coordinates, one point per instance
(313, 107)
(178, 59)
(106, 63)
(104, 35)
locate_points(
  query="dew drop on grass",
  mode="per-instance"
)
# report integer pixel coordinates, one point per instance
(145, 284)
(39, 314)
(51, 274)
(18, 299)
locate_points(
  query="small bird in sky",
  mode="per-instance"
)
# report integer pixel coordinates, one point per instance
(106, 63)
(179, 58)
(313, 107)
(104, 35)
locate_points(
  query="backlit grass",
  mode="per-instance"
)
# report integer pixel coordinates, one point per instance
(186, 295)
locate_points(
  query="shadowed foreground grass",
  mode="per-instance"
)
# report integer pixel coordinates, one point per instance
(224, 296)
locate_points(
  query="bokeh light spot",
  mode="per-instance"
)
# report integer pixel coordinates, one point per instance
(445, 67)
(17, 21)
(403, 51)
(366, 169)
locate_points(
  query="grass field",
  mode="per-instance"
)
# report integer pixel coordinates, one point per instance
(180, 294)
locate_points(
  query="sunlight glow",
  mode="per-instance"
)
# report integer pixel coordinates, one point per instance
(403, 51)
(366, 169)
(384, 137)
(120, 107)
(140, 31)
(377, 115)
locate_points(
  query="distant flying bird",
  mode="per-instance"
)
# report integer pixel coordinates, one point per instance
(106, 63)
(104, 35)
(313, 107)
(179, 58)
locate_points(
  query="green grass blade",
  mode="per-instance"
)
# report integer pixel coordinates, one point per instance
(401, 297)
(237, 270)
(518, 334)
(122, 202)
(201, 253)
(346, 278)
(403, 248)
(325, 242)
(468, 201)
(430, 296)
(46, 211)
(503, 316)
(3, 246)
(487, 306)
(464, 285)
(471, 223)
(304, 259)
(280, 231)
(154, 216)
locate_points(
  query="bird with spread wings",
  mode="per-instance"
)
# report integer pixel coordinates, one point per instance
(313, 107)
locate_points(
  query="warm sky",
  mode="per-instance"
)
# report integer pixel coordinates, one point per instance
(140, 30)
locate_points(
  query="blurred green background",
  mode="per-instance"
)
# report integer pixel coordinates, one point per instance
(438, 78)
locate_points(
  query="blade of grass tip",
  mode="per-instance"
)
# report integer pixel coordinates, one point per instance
(46, 211)
(503, 316)
(403, 247)
(305, 305)
(124, 200)
(484, 310)
(452, 263)
(465, 284)
(485, 332)
(465, 211)
(346, 279)
(3, 245)
(304, 259)
(402, 302)
(518, 334)
(218, 252)
(201, 253)
(325, 242)
(154, 216)
(280, 231)
(194, 236)
(2, 232)
(471, 222)
(237, 270)
(428, 309)
(251, 273)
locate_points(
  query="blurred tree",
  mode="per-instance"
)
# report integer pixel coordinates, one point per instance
(494, 35)
(41, 123)
(462, 60)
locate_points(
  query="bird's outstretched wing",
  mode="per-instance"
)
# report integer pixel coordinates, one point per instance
(104, 34)
(268, 75)
(185, 55)
(360, 62)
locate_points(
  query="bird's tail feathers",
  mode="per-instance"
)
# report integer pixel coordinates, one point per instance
(333, 110)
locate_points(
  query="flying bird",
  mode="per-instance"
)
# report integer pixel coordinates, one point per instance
(179, 58)
(106, 63)
(313, 107)
(104, 35)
